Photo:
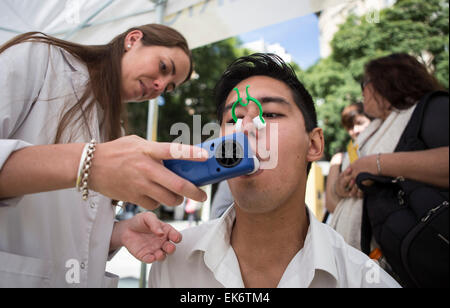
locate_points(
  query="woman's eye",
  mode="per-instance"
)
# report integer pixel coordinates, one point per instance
(170, 88)
(163, 66)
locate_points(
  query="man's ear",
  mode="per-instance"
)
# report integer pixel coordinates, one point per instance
(316, 145)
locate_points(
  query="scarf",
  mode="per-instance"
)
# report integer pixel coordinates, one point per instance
(379, 137)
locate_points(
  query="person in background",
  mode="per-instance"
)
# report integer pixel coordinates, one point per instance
(354, 121)
(392, 87)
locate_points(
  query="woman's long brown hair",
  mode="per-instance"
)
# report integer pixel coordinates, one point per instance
(401, 79)
(104, 66)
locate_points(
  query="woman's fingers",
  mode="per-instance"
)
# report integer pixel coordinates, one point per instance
(172, 234)
(168, 248)
(167, 151)
(169, 188)
(163, 195)
(354, 191)
(147, 203)
(176, 184)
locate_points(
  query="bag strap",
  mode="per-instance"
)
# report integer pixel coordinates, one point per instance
(410, 139)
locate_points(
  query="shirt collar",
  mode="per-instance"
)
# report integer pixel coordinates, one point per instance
(316, 255)
(318, 248)
(216, 242)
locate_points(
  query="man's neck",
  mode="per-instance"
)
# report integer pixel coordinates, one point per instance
(266, 243)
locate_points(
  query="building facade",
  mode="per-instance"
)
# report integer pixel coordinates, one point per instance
(332, 17)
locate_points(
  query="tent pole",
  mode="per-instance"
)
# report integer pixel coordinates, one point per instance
(152, 122)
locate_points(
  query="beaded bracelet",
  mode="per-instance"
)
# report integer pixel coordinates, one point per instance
(84, 169)
(379, 163)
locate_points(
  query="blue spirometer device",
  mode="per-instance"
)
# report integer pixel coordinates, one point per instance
(229, 156)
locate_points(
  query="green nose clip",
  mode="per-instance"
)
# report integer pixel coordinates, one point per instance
(259, 121)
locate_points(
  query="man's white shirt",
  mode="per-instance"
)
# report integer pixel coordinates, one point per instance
(206, 259)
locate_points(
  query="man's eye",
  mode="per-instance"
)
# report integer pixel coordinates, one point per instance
(271, 115)
(231, 121)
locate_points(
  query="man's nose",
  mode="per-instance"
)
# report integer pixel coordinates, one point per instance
(247, 121)
(248, 126)
(252, 111)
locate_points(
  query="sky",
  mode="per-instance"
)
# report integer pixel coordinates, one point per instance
(300, 38)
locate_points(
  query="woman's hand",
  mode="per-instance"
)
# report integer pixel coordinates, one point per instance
(343, 185)
(364, 164)
(346, 185)
(146, 237)
(130, 169)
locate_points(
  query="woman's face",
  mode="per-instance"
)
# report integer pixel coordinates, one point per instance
(374, 104)
(360, 123)
(149, 71)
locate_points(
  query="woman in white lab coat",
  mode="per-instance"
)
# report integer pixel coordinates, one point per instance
(55, 98)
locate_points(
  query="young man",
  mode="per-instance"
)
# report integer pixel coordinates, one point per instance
(269, 238)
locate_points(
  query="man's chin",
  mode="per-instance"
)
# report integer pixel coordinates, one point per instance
(253, 198)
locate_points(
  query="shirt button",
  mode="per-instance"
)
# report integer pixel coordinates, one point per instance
(93, 205)
(82, 265)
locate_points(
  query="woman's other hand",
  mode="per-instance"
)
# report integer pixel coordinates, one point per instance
(146, 237)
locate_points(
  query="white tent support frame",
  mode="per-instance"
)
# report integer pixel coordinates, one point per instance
(85, 24)
(152, 123)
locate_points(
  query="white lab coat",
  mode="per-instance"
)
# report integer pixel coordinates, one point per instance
(51, 239)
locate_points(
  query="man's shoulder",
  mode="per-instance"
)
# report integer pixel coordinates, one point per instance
(354, 268)
(342, 250)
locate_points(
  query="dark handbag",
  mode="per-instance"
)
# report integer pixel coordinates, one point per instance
(408, 219)
(410, 222)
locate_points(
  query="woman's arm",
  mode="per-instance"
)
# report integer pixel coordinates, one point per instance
(39, 169)
(128, 169)
(429, 166)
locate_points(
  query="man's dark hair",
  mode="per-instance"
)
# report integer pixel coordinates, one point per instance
(265, 64)
(270, 65)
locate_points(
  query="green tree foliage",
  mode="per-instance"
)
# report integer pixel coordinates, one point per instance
(413, 26)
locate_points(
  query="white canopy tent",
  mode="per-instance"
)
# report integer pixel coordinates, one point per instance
(98, 21)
